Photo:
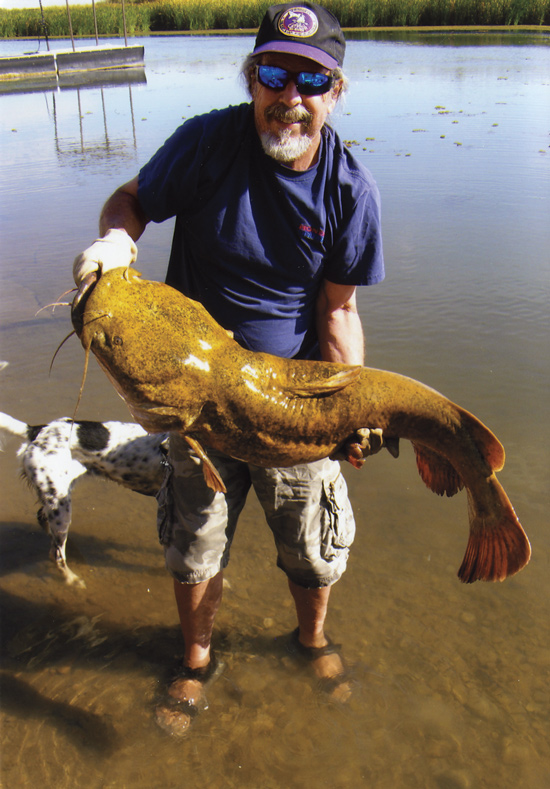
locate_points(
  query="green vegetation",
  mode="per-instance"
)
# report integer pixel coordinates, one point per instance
(146, 16)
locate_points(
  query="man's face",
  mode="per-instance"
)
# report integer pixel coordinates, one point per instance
(288, 123)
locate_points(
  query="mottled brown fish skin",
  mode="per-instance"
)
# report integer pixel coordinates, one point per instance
(178, 370)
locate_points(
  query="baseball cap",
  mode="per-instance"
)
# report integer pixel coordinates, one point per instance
(305, 29)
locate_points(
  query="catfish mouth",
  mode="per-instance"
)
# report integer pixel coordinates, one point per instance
(80, 300)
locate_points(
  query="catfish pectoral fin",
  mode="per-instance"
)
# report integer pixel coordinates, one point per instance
(436, 471)
(497, 548)
(392, 445)
(211, 475)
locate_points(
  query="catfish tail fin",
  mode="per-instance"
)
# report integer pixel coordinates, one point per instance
(495, 549)
(436, 471)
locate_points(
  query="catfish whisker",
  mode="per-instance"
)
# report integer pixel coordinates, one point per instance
(84, 374)
(58, 303)
(65, 293)
(61, 344)
(54, 305)
(96, 318)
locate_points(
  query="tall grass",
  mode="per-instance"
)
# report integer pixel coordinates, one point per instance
(205, 14)
(402, 13)
(144, 16)
(28, 22)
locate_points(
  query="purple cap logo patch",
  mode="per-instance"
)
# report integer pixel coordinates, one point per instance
(299, 22)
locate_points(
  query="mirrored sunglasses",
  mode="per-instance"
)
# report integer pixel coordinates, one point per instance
(308, 83)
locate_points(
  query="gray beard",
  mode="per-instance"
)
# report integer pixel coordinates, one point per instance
(284, 147)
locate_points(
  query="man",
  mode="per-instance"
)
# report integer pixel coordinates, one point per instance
(276, 226)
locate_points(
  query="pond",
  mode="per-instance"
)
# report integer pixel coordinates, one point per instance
(452, 681)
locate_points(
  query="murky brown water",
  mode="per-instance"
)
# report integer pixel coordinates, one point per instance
(452, 680)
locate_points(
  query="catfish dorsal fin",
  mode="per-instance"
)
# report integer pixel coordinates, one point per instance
(487, 443)
(333, 383)
(211, 475)
(436, 471)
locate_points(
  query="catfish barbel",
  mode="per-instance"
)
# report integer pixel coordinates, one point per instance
(178, 370)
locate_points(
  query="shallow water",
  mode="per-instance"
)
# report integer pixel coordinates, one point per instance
(452, 680)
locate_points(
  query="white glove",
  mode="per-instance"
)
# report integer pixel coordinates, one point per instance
(115, 250)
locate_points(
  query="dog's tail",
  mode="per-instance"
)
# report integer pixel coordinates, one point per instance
(12, 427)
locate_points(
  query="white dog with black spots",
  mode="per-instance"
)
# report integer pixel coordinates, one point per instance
(54, 456)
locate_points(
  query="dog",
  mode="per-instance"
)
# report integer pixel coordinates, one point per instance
(54, 456)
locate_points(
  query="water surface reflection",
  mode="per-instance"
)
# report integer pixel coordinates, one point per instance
(452, 681)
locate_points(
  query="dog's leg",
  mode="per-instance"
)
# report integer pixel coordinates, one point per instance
(57, 555)
(52, 475)
(57, 513)
(59, 516)
(58, 546)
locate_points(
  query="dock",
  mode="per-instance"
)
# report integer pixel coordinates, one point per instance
(57, 63)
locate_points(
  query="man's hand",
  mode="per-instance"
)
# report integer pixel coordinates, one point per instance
(364, 442)
(115, 250)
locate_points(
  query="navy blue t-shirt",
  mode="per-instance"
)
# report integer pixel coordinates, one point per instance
(253, 239)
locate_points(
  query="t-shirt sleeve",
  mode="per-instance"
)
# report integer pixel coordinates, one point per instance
(168, 183)
(356, 257)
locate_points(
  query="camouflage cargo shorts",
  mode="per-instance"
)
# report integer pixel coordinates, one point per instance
(306, 507)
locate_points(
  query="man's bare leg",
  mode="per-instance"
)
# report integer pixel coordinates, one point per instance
(197, 607)
(311, 610)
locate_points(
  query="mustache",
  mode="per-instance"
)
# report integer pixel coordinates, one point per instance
(285, 115)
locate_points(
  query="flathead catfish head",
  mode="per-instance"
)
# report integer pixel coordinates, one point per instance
(108, 315)
(150, 344)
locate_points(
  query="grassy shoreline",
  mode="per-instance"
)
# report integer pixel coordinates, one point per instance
(147, 17)
(545, 29)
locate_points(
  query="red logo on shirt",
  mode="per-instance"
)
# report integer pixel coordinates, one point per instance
(311, 232)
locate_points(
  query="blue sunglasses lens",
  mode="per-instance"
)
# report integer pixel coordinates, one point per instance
(312, 83)
(308, 83)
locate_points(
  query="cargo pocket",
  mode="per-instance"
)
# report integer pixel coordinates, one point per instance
(338, 526)
(165, 505)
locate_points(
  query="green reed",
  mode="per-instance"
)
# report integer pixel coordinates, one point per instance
(412, 13)
(145, 16)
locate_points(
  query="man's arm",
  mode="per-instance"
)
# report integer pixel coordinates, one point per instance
(121, 223)
(122, 211)
(339, 327)
(342, 340)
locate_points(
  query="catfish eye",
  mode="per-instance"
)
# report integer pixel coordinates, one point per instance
(118, 341)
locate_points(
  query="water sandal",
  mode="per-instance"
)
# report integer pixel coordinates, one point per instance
(308, 655)
(174, 715)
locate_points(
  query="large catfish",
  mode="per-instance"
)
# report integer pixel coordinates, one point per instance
(179, 370)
